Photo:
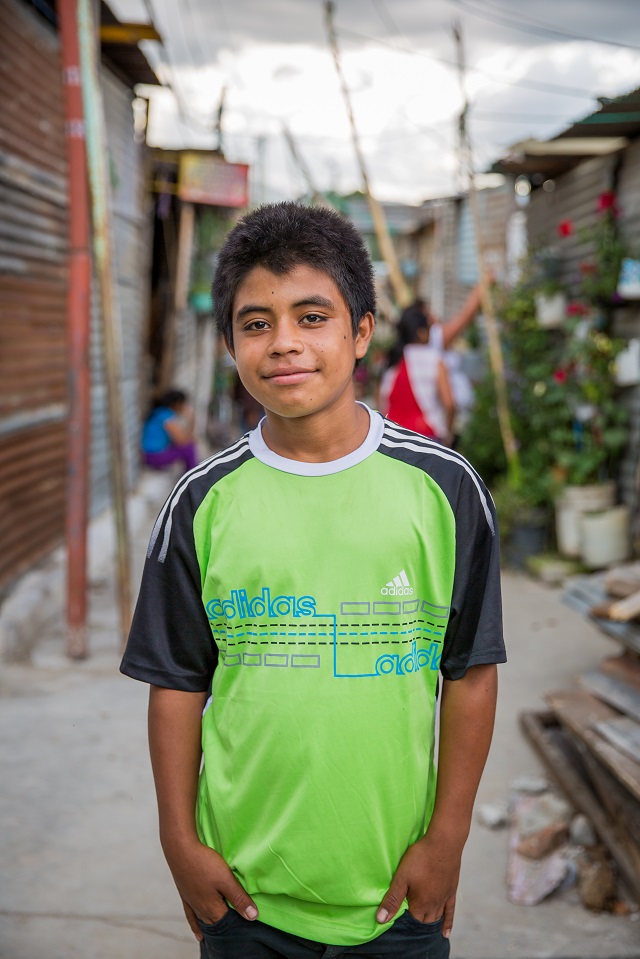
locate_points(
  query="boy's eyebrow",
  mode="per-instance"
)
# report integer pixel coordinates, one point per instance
(251, 308)
(316, 300)
(313, 299)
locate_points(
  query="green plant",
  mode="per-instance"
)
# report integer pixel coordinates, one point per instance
(601, 268)
(515, 505)
(587, 425)
(569, 427)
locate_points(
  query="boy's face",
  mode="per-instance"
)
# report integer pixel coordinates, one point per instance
(293, 343)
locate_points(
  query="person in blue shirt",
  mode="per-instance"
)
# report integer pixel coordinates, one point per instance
(168, 432)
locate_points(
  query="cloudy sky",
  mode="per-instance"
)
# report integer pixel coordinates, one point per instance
(532, 70)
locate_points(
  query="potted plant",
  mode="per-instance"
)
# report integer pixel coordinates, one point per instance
(551, 304)
(542, 270)
(568, 424)
(523, 520)
(587, 429)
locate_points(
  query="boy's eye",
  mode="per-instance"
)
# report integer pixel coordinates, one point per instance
(313, 318)
(257, 325)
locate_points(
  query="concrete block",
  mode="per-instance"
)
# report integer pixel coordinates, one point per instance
(493, 815)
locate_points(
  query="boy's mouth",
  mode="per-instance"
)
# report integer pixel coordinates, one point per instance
(288, 375)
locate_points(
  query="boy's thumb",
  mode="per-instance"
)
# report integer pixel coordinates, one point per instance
(241, 902)
(391, 903)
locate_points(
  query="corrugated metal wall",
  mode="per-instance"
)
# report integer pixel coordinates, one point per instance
(130, 259)
(574, 198)
(33, 277)
(454, 246)
(33, 273)
(627, 322)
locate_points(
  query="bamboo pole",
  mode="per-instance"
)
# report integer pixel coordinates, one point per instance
(99, 182)
(78, 325)
(496, 358)
(401, 290)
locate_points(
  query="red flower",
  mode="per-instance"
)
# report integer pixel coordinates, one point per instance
(577, 309)
(565, 228)
(560, 376)
(606, 201)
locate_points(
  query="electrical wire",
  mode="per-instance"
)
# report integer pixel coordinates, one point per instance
(542, 30)
(186, 116)
(538, 85)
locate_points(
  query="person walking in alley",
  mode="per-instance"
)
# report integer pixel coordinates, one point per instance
(307, 591)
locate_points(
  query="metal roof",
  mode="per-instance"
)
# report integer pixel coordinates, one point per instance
(606, 130)
(126, 59)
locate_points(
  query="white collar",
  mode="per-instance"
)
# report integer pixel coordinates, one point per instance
(371, 443)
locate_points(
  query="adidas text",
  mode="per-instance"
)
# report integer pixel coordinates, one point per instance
(398, 586)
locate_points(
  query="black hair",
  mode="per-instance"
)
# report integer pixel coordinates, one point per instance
(171, 398)
(281, 236)
(412, 323)
(413, 319)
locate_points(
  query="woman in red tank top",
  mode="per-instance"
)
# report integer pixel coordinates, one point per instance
(415, 392)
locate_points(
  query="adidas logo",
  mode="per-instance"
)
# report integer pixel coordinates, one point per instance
(398, 586)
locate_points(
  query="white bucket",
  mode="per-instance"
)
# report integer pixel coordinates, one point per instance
(605, 537)
(551, 311)
(574, 501)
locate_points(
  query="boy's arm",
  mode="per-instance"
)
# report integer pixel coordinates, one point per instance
(204, 880)
(427, 875)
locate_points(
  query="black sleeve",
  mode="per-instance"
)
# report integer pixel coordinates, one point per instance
(170, 643)
(474, 634)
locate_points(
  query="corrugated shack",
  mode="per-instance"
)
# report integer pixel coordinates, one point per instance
(568, 174)
(33, 278)
(436, 244)
(445, 249)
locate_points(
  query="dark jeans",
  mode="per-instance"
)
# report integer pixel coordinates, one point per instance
(234, 937)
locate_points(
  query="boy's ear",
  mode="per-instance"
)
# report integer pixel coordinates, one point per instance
(365, 332)
(229, 346)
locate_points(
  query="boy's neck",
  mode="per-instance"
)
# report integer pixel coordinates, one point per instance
(319, 438)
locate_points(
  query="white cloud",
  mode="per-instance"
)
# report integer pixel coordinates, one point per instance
(406, 105)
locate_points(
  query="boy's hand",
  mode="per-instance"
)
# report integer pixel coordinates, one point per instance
(427, 877)
(206, 883)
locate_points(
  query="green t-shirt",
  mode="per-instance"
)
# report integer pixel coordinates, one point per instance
(319, 601)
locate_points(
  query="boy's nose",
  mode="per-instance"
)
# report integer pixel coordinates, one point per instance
(285, 338)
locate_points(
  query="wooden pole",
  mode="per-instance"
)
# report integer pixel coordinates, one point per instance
(496, 358)
(102, 233)
(317, 198)
(180, 292)
(78, 325)
(401, 290)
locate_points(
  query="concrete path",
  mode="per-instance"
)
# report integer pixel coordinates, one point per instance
(82, 873)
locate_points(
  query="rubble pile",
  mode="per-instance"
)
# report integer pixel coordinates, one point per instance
(589, 740)
(552, 848)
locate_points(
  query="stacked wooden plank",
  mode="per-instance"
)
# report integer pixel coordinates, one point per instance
(590, 736)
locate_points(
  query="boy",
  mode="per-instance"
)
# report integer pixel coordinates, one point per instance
(313, 579)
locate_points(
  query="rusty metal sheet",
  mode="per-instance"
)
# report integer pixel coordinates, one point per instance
(33, 273)
(31, 513)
